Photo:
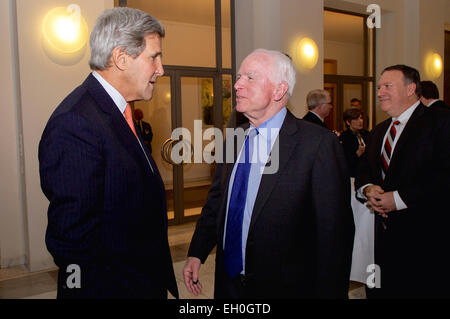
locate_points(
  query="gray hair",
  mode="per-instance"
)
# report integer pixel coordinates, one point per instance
(316, 97)
(125, 28)
(283, 68)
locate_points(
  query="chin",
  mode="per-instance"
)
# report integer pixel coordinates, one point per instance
(240, 108)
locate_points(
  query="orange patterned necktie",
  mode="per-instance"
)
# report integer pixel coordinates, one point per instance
(129, 119)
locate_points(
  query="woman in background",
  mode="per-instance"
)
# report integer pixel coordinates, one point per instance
(354, 138)
(354, 141)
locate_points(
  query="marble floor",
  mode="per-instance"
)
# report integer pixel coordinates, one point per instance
(18, 283)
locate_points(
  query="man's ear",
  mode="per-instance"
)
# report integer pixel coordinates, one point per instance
(411, 89)
(120, 58)
(280, 90)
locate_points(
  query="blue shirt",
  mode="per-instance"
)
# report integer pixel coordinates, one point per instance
(262, 145)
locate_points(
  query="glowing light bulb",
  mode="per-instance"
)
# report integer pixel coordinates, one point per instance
(305, 53)
(437, 63)
(433, 65)
(66, 29)
(309, 50)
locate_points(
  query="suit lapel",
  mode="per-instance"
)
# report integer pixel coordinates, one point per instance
(117, 122)
(408, 135)
(286, 143)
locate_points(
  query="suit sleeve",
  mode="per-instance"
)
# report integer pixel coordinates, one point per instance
(72, 178)
(205, 235)
(363, 173)
(333, 219)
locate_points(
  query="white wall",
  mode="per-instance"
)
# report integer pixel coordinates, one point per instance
(43, 84)
(11, 223)
(349, 56)
(410, 29)
(275, 25)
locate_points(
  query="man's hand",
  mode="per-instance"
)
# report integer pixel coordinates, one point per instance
(373, 193)
(379, 201)
(190, 275)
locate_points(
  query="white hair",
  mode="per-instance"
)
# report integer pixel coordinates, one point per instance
(283, 69)
(120, 27)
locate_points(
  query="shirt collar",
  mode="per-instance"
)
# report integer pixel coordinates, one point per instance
(404, 117)
(431, 103)
(272, 126)
(118, 99)
(317, 115)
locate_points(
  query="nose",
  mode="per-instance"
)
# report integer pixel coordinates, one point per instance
(238, 84)
(159, 68)
(380, 91)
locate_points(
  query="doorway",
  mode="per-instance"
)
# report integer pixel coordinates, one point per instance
(349, 65)
(198, 61)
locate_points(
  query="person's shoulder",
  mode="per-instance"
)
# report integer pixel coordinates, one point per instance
(72, 102)
(309, 116)
(346, 135)
(440, 104)
(147, 124)
(312, 129)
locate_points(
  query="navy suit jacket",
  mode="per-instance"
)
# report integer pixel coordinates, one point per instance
(107, 211)
(301, 232)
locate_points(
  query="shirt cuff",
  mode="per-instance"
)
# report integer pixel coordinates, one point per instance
(360, 194)
(399, 203)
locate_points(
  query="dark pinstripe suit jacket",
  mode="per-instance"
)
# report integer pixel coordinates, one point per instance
(107, 209)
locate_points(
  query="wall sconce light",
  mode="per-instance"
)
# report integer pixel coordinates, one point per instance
(305, 54)
(433, 65)
(65, 34)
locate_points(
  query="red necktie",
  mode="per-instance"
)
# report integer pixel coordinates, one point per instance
(129, 119)
(387, 149)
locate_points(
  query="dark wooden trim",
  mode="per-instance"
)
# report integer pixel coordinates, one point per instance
(346, 12)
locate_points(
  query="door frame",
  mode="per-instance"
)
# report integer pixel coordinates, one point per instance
(369, 76)
(175, 72)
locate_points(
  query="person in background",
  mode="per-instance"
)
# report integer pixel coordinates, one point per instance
(355, 102)
(354, 142)
(144, 128)
(354, 138)
(319, 106)
(429, 95)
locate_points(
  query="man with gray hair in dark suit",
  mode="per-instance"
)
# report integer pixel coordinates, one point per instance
(107, 215)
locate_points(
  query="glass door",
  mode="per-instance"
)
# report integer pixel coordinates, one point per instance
(199, 63)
